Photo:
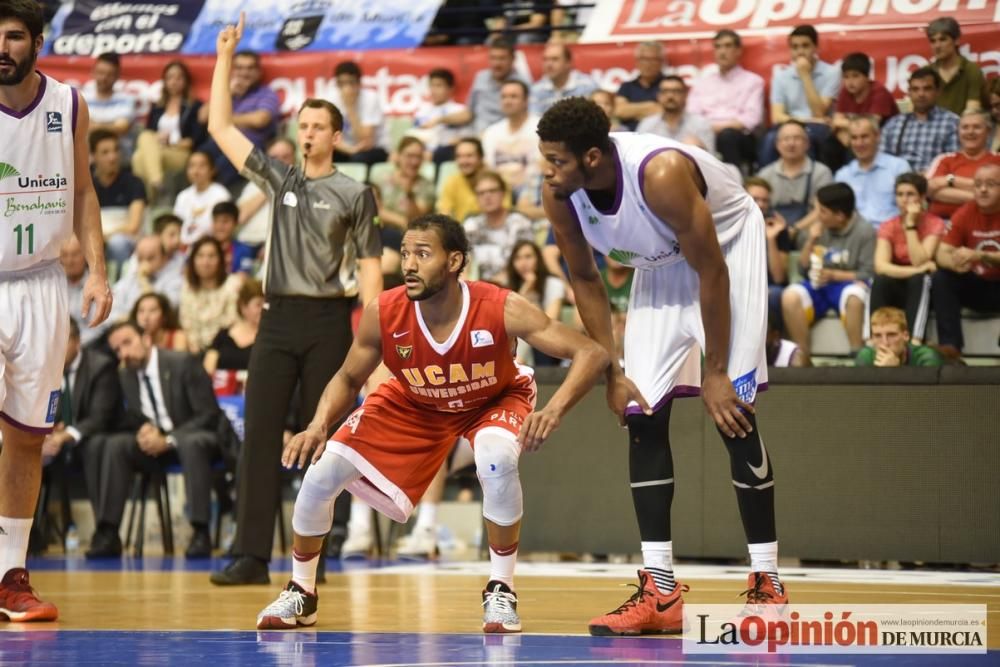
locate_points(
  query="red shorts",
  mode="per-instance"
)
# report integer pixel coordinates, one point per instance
(398, 445)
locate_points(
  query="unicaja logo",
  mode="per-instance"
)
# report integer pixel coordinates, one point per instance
(42, 181)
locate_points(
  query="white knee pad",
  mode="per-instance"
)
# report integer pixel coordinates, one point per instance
(323, 482)
(497, 452)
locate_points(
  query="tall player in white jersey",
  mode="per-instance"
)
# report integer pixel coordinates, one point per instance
(696, 240)
(46, 194)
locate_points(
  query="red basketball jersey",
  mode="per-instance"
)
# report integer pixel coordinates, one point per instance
(465, 372)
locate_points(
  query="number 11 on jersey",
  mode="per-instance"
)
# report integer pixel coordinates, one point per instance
(22, 231)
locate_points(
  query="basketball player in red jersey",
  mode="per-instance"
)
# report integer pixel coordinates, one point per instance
(449, 344)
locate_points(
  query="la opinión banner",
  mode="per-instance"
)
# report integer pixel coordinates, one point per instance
(634, 20)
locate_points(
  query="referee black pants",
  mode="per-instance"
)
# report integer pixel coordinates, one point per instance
(300, 341)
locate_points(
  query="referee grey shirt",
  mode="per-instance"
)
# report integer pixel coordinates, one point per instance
(319, 228)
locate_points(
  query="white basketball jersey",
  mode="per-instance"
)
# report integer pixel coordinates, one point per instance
(629, 232)
(36, 177)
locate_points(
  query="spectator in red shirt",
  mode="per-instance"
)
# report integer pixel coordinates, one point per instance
(969, 261)
(949, 178)
(859, 95)
(904, 255)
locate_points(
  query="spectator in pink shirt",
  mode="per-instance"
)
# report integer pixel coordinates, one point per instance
(732, 99)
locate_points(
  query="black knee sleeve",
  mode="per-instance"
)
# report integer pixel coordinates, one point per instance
(651, 473)
(749, 463)
(753, 477)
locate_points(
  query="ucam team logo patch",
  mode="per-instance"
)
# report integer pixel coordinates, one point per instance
(50, 415)
(53, 121)
(404, 351)
(481, 338)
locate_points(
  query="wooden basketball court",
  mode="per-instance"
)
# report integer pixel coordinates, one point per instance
(426, 614)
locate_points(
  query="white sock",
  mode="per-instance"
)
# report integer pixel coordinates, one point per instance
(658, 560)
(304, 570)
(764, 558)
(14, 535)
(502, 564)
(426, 517)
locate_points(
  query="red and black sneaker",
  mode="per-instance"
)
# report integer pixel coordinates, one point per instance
(763, 599)
(647, 612)
(18, 601)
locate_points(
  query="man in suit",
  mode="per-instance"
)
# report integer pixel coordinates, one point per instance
(170, 414)
(90, 395)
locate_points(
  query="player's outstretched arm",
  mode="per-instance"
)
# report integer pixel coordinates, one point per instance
(673, 194)
(588, 359)
(341, 392)
(591, 300)
(227, 136)
(87, 223)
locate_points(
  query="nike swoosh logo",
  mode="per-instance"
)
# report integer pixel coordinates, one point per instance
(664, 607)
(399, 335)
(761, 472)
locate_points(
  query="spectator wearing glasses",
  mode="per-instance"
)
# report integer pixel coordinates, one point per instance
(968, 261)
(675, 121)
(493, 233)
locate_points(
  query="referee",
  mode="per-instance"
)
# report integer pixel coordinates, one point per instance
(322, 249)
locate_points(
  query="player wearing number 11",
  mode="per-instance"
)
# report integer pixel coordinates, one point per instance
(46, 195)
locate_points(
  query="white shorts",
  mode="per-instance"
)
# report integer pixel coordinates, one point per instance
(34, 329)
(664, 335)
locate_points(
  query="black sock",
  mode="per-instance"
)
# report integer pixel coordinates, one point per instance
(651, 473)
(753, 477)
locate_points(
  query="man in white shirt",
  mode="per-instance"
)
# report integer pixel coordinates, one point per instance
(440, 120)
(676, 122)
(150, 273)
(110, 110)
(732, 99)
(510, 146)
(560, 79)
(364, 135)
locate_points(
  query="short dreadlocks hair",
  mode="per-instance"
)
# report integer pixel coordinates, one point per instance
(578, 123)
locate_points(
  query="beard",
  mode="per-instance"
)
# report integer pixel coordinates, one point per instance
(429, 290)
(21, 70)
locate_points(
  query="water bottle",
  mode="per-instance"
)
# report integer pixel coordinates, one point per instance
(815, 266)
